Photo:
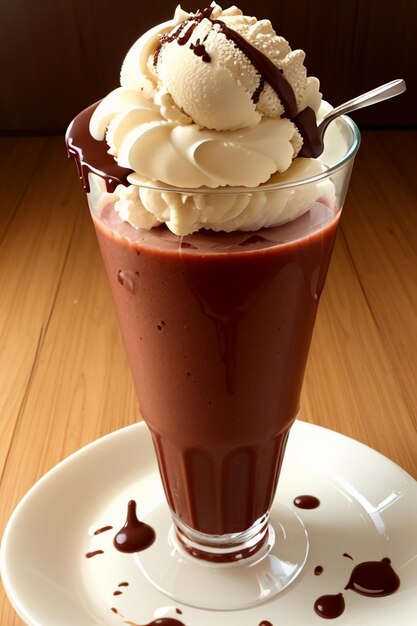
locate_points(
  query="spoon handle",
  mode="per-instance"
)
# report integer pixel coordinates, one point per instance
(384, 92)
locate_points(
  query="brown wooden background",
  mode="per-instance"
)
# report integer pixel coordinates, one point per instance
(58, 56)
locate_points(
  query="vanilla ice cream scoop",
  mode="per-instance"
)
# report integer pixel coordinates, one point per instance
(212, 75)
(208, 99)
(214, 99)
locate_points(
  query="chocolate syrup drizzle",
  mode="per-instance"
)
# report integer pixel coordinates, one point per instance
(305, 120)
(91, 156)
(266, 68)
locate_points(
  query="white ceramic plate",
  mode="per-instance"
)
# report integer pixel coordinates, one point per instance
(368, 510)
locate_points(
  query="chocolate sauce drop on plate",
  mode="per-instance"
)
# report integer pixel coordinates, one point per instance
(265, 623)
(89, 555)
(318, 570)
(135, 536)
(347, 555)
(161, 621)
(374, 579)
(102, 530)
(165, 621)
(330, 606)
(306, 502)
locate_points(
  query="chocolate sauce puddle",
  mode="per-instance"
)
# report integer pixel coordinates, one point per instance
(330, 606)
(265, 623)
(306, 502)
(374, 579)
(318, 570)
(135, 536)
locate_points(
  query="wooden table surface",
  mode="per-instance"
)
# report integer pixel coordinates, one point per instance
(64, 380)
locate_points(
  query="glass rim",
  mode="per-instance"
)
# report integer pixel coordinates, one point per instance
(352, 149)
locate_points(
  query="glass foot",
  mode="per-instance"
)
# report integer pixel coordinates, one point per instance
(225, 586)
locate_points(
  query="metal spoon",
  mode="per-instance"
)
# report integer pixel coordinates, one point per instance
(384, 92)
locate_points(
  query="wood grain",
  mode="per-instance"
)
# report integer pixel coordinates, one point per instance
(64, 379)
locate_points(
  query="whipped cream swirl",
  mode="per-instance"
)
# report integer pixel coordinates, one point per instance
(193, 111)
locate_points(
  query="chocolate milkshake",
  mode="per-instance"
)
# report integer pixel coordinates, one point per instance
(217, 330)
(216, 215)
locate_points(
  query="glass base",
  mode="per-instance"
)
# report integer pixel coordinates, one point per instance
(225, 586)
(222, 548)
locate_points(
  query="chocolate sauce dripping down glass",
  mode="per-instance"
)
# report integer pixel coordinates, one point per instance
(91, 155)
(135, 536)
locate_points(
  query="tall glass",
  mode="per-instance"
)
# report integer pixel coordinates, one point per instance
(217, 329)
